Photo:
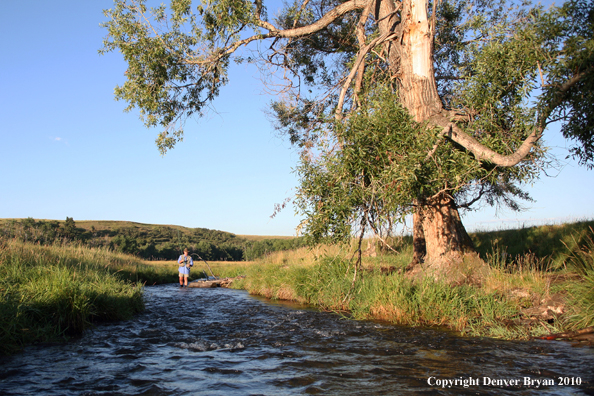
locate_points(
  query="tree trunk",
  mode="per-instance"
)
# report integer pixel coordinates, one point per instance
(438, 232)
(411, 57)
(419, 245)
(437, 229)
(443, 230)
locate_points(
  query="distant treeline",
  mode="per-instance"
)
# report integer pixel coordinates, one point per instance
(150, 242)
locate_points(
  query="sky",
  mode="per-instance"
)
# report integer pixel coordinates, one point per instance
(68, 149)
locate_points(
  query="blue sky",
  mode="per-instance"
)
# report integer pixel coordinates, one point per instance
(68, 149)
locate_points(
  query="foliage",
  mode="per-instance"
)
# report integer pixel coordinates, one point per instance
(574, 22)
(581, 260)
(377, 165)
(160, 80)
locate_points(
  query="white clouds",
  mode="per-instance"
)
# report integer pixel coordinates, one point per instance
(59, 139)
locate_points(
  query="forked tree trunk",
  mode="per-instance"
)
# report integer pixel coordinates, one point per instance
(443, 229)
(437, 228)
(438, 231)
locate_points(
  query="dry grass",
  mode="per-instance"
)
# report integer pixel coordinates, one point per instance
(303, 256)
(388, 313)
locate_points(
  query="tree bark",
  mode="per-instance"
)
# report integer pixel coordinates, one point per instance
(443, 229)
(419, 245)
(411, 58)
(437, 228)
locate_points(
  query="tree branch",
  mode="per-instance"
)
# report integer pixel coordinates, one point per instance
(361, 39)
(273, 32)
(483, 153)
(298, 16)
(358, 61)
(318, 25)
(468, 204)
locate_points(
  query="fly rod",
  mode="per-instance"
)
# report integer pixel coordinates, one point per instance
(206, 264)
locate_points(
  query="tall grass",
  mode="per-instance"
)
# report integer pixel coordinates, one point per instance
(551, 241)
(327, 284)
(498, 305)
(52, 292)
(581, 260)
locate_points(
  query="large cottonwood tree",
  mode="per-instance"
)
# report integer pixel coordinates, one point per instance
(400, 107)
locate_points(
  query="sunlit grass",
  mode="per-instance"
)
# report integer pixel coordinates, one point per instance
(581, 260)
(493, 307)
(51, 292)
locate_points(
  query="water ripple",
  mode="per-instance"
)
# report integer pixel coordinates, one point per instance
(225, 342)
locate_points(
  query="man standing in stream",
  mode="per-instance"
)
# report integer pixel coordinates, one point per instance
(185, 262)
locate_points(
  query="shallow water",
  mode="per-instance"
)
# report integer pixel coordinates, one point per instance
(225, 342)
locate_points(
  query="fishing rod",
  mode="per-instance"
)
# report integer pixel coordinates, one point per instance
(196, 254)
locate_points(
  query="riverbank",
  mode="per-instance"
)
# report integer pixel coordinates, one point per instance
(49, 293)
(516, 298)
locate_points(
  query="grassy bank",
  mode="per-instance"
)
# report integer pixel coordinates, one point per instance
(516, 298)
(51, 292)
(48, 293)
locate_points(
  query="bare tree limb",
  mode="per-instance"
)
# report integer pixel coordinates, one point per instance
(273, 32)
(361, 39)
(358, 61)
(318, 25)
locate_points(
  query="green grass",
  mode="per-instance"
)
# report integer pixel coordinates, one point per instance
(581, 260)
(496, 306)
(48, 293)
(554, 242)
(328, 285)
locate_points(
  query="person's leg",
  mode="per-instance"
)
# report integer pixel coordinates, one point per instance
(181, 279)
(186, 279)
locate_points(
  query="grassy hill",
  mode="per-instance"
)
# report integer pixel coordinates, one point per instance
(166, 242)
(148, 241)
(552, 241)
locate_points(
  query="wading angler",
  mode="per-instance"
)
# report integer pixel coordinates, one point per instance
(185, 263)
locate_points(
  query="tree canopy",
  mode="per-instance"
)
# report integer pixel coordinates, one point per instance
(398, 107)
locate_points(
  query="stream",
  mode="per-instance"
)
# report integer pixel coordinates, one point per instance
(221, 341)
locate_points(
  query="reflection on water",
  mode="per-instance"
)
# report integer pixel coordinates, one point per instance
(225, 342)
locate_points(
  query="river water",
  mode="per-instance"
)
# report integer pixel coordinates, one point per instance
(225, 342)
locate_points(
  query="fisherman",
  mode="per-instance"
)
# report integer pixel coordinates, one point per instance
(185, 262)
